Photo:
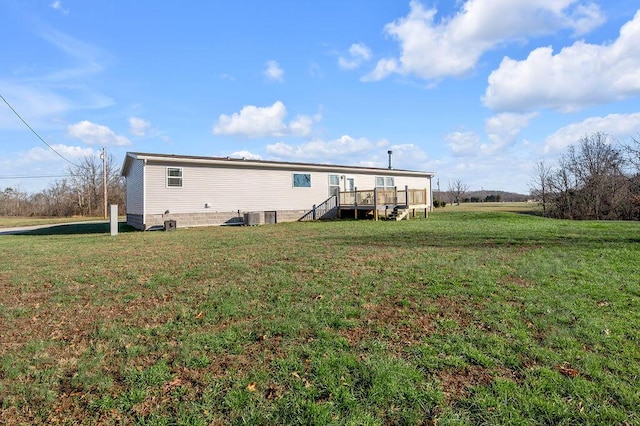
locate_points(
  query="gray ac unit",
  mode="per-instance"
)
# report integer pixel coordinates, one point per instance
(252, 218)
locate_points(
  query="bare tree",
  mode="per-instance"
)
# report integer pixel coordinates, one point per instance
(457, 190)
(541, 183)
(81, 194)
(60, 200)
(633, 154)
(115, 184)
(562, 185)
(632, 151)
(87, 179)
(598, 169)
(12, 202)
(588, 182)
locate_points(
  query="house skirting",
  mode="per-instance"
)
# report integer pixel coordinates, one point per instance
(187, 220)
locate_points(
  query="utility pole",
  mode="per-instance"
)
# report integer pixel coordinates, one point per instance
(103, 156)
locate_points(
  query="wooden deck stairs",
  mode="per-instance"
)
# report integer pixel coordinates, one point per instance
(398, 213)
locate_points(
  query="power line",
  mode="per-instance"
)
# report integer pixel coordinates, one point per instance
(36, 133)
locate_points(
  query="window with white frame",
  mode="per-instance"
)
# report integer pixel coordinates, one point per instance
(385, 182)
(302, 180)
(389, 182)
(174, 177)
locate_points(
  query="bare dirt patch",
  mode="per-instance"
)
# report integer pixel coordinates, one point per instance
(456, 383)
(402, 323)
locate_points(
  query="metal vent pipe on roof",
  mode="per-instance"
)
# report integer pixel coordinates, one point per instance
(390, 152)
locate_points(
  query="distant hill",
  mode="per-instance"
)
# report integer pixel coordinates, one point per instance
(484, 196)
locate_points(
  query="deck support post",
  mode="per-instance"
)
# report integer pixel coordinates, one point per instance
(375, 204)
(406, 199)
(355, 202)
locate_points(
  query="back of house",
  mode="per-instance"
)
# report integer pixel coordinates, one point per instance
(203, 191)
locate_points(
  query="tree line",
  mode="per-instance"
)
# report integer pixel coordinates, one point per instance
(597, 178)
(81, 194)
(458, 192)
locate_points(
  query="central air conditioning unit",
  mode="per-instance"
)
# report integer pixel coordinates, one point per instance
(252, 218)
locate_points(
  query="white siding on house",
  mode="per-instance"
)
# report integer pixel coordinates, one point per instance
(231, 189)
(228, 189)
(135, 188)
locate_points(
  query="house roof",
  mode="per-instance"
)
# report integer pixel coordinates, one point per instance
(262, 164)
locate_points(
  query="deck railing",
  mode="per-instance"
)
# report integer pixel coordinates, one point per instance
(413, 197)
(324, 210)
(370, 199)
(384, 197)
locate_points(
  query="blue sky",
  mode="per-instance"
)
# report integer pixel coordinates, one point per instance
(476, 90)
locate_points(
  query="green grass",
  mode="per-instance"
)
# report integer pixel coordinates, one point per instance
(469, 317)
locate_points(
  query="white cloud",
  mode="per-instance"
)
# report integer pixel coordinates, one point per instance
(273, 71)
(71, 153)
(502, 132)
(358, 53)
(301, 125)
(579, 75)
(245, 154)
(383, 69)
(585, 18)
(463, 143)
(488, 172)
(348, 150)
(44, 99)
(57, 5)
(253, 121)
(452, 47)
(138, 126)
(408, 157)
(618, 126)
(41, 161)
(89, 59)
(96, 134)
(504, 128)
(336, 151)
(37, 105)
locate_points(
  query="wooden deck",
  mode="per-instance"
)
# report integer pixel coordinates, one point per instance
(389, 202)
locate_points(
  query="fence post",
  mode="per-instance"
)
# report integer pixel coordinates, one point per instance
(313, 215)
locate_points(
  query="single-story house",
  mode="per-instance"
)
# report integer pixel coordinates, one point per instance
(202, 191)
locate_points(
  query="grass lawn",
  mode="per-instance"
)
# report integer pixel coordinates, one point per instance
(469, 317)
